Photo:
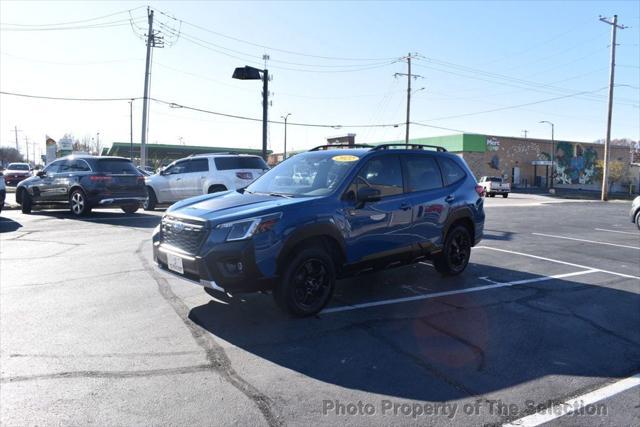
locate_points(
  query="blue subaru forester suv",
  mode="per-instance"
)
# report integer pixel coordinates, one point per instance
(322, 215)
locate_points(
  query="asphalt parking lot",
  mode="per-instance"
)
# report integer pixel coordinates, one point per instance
(546, 318)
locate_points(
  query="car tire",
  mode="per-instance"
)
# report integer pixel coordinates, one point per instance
(151, 201)
(505, 195)
(307, 283)
(27, 202)
(638, 220)
(129, 209)
(455, 254)
(216, 189)
(492, 195)
(78, 203)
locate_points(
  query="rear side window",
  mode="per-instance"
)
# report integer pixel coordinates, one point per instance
(198, 165)
(228, 163)
(53, 167)
(64, 166)
(451, 172)
(117, 166)
(79, 166)
(383, 173)
(423, 173)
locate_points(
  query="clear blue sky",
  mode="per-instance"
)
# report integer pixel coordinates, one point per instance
(475, 56)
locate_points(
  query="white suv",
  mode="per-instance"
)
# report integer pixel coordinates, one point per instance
(202, 174)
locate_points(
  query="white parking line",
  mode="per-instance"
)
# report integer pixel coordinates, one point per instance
(587, 241)
(628, 276)
(455, 292)
(616, 231)
(569, 406)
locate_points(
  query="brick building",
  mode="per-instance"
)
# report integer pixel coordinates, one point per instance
(526, 162)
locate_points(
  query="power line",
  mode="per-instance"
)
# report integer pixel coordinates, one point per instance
(256, 60)
(523, 84)
(235, 116)
(271, 48)
(97, 18)
(119, 23)
(510, 107)
(60, 98)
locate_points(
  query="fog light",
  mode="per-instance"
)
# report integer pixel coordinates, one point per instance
(233, 267)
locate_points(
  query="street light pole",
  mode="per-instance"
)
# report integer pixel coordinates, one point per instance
(131, 130)
(252, 73)
(285, 117)
(553, 150)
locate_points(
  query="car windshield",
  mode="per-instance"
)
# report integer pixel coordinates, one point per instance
(494, 179)
(18, 167)
(307, 174)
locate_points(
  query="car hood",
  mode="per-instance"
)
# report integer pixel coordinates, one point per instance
(231, 205)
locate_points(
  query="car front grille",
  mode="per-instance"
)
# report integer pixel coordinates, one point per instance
(182, 234)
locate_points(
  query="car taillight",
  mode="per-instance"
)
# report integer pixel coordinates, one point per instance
(244, 175)
(479, 190)
(141, 179)
(100, 178)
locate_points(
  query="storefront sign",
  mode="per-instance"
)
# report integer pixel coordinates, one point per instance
(493, 144)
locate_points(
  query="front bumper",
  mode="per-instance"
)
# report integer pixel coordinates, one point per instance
(14, 180)
(228, 267)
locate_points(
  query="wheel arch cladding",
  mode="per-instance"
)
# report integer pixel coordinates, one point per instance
(325, 235)
(461, 217)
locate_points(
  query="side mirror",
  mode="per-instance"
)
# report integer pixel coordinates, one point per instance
(368, 194)
(41, 174)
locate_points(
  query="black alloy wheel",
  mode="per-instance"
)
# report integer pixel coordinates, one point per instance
(307, 283)
(454, 257)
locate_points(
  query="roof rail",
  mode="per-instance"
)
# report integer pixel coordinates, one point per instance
(409, 147)
(213, 153)
(332, 146)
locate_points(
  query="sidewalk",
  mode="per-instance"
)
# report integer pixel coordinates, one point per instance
(568, 193)
(10, 199)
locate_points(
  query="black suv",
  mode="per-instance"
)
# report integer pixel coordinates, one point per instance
(84, 182)
(325, 214)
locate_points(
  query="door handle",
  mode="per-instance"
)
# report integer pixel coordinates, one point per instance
(405, 206)
(178, 179)
(450, 198)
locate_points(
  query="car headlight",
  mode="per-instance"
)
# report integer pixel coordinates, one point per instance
(246, 228)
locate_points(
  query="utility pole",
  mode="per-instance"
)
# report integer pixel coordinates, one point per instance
(131, 130)
(605, 169)
(98, 143)
(553, 150)
(524, 131)
(15, 129)
(26, 143)
(409, 77)
(265, 107)
(285, 117)
(153, 40)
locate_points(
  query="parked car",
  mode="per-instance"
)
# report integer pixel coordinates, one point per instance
(3, 191)
(635, 212)
(84, 182)
(202, 174)
(363, 208)
(16, 172)
(493, 185)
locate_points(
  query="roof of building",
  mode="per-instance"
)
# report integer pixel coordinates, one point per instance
(173, 151)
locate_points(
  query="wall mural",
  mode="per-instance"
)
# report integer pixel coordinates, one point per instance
(575, 164)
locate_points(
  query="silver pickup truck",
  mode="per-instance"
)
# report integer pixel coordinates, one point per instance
(494, 185)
